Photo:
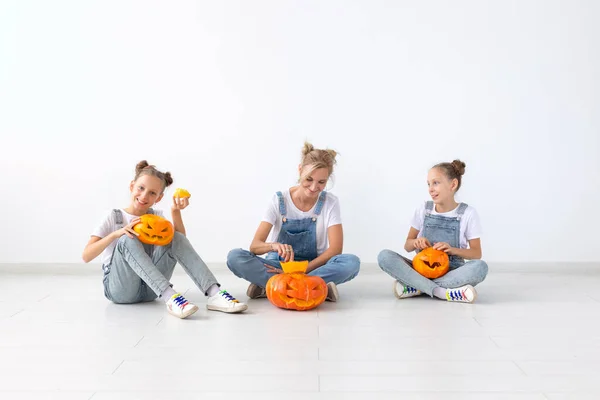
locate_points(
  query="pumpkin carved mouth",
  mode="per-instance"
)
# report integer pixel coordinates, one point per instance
(164, 232)
(294, 290)
(431, 263)
(155, 230)
(432, 266)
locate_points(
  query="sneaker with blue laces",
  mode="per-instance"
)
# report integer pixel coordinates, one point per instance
(404, 291)
(463, 294)
(225, 302)
(178, 306)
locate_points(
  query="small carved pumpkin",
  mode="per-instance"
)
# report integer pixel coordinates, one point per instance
(431, 263)
(294, 290)
(155, 230)
(179, 192)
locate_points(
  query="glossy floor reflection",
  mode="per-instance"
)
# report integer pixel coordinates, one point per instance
(532, 334)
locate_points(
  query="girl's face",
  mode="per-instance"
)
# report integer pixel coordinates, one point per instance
(315, 183)
(145, 192)
(441, 189)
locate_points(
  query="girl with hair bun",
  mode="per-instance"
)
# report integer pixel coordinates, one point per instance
(301, 223)
(445, 225)
(136, 272)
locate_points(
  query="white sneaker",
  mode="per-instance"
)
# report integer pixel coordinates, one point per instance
(402, 291)
(178, 306)
(225, 302)
(332, 293)
(463, 294)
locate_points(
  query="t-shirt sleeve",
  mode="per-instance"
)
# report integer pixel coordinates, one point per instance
(473, 230)
(272, 213)
(105, 227)
(417, 218)
(335, 214)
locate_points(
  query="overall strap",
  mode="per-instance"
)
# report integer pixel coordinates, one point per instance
(282, 210)
(428, 207)
(461, 210)
(320, 203)
(118, 217)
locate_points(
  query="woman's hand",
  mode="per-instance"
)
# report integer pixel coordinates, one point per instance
(272, 270)
(285, 251)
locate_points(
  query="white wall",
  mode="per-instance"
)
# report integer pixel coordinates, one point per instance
(223, 94)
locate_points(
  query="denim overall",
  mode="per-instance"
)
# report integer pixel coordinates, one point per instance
(148, 248)
(140, 272)
(437, 228)
(301, 234)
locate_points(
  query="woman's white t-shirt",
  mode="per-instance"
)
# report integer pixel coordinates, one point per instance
(330, 216)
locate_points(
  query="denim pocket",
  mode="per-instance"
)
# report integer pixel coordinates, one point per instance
(440, 233)
(295, 240)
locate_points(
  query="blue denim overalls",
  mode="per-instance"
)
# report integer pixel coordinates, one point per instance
(149, 248)
(301, 234)
(437, 228)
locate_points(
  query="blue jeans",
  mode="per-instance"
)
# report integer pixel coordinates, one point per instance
(133, 276)
(400, 268)
(245, 265)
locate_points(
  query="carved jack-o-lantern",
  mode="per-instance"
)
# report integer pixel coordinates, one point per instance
(155, 230)
(431, 263)
(294, 290)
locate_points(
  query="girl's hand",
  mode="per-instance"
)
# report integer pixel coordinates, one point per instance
(445, 247)
(421, 243)
(179, 203)
(285, 251)
(128, 230)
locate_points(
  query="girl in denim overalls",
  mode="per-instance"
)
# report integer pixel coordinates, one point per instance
(448, 226)
(136, 272)
(302, 223)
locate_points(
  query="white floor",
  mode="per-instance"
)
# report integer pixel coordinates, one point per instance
(531, 335)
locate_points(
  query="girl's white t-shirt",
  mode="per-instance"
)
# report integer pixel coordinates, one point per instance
(470, 227)
(108, 226)
(330, 216)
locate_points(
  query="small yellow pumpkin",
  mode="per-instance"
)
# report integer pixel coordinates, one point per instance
(182, 193)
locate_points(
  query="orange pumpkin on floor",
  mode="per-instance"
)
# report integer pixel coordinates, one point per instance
(154, 230)
(431, 263)
(294, 290)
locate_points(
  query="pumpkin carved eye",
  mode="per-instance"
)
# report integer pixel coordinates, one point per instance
(431, 263)
(155, 230)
